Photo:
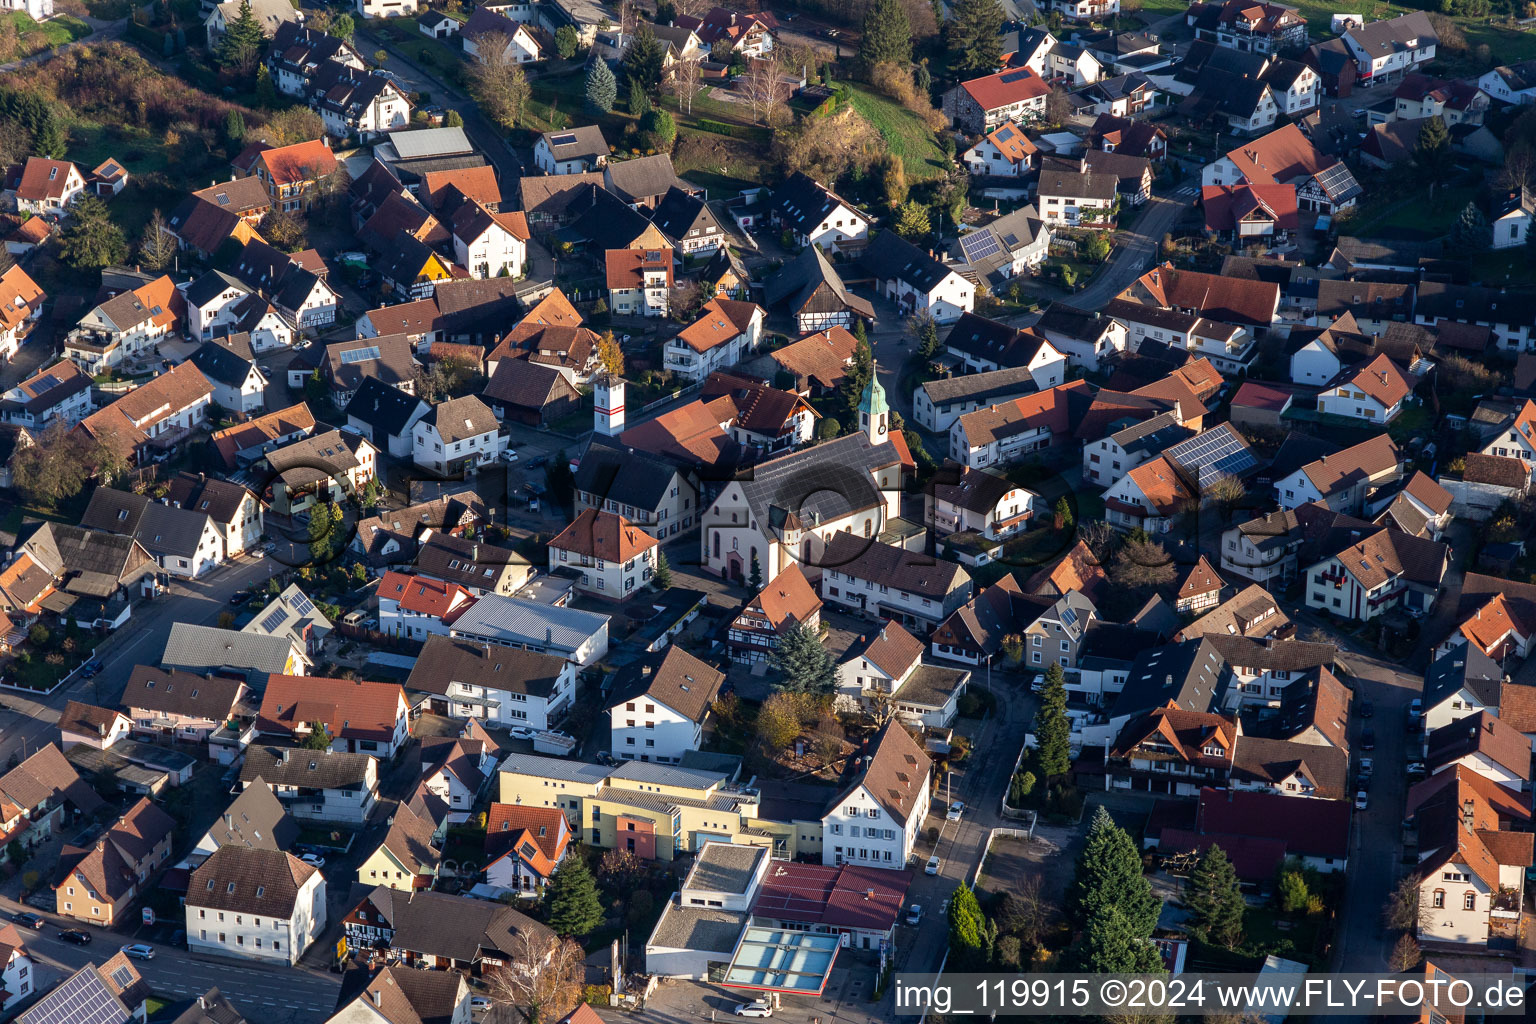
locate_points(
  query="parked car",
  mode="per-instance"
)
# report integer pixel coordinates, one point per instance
(139, 951)
(1415, 709)
(314, 860)
(78, 936)
(509, 456)
(933, 865)
(914, 913)
(756, 1008)
(955, 810)
(1416, 771)
(1367, 738)
(240, 598)
(533, 504)
(478, 1004)
(28, 920)
(1364, 708)
(537, 461)
(1362, 800)
(521, 732)
(91, 668)
(1037, 684)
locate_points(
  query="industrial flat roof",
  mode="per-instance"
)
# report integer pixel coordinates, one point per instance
(774, 960)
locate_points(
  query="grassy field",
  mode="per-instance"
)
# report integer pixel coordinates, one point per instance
(904, 133)
(1508, 46)
(1417, 220)
(35, 38)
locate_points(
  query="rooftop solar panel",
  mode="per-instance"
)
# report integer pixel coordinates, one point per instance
(82, 999)
(302, 604)
(273, 620)
(978, 245)
(360, 355)
(1212, 455)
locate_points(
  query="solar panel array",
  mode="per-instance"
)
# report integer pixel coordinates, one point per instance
(302, 604)
(82, 999)
(45, 384)
(1212, 455)
(978, 245)
(273, 620)
(1005, 133)
(360, 355)
(1016, 76)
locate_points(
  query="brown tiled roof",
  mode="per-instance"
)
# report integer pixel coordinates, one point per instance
(1228, 299)
(122, 424)
(409, 841)
(1388, 554)
(604, 535)
(1517, 706)
(787, 598)
(719, 321)
(88, 719)
(44, 776)
(677, 679)
(262, 883)
(254, 433)
(458, 418)
(1272, 655)
(172, 691)
(350, 708)
(476, 183)
(1187, 732)
(302, 161)
(1459, 783)
(1079, 569)
(20, 296)
(822, 357)
(891, 649)
(238, 195)
(896, 774)
(1343, 469)
(1271, 761)
(1481, 733)
(887, 565)
(1237, 615)
(506, 822)
(1497, 470)
(1202, 579)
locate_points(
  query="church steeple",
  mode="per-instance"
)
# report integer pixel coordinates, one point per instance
(874, 411)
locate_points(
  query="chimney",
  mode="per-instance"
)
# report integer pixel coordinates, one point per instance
(645, 671)
(474, 553)
(1466, 814)
(378, 997)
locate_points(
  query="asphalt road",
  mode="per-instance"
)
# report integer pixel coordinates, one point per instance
(271, 995)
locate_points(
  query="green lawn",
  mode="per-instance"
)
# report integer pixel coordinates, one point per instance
(904, 133)
(1415, 220)
(35, 38)
(1507, 266)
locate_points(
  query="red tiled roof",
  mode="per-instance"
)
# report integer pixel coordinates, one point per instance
(302, 161)
(350, 708)
(605, 535)
(1014, 85)
(1256, 396)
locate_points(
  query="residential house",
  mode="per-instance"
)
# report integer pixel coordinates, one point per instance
(21, 303)
(530, 393)
(126, 326)
(358, 716)
(323, 467)
(1511, 315)
(1264, 667)
(980, 105)
(1420, 96)
(96, 883)
(1374, 392)
(1252, 612)
(1386, 50)
(455, 435)
(208, 649)
(643, 182)
(1459, 684)
(415, 607)
(578, 636)
(812, 292)
(501, 685)
(1078, 199)
(785, 602)
(42, 795)
(114, 991)
(884, 672)
(747, 34)
(347, 365)
(81, 574)
(1106, 460)
(1005, 152)
(1487, 745)
(1512, 215)
(1472, 871)
(177, 706)
(1249, 27)
(1511, 83)
(686, 222)
(879, 811)
(1086, 338)
(489, 244)
(649, 492)
(408, 857)
(938, 404)
(1246, 214)
(1008, 246)
(975, 501)
(479, 567)
(878, 578)
(1003, 434)
(657, 707)
(1287, 157)
(521, 42)
(1151, 496)
(234, 511)
(47, 186)
(18, 971)
(451, 933)
(238, 383)
(1377, 573)
(457, 769)
(638, 281)
(916, 281)
(316, 785)
(291, 174)
(1342, 480)
(1116, 134)
(158, 414)
(815, 216)
(1174, 752)
(297, 292)
(91, 725)
(255, 819)
(571, 151)
(254, 904)
(725, 333)
(387, 416)
(1268, 827)
(523, 846)
(59, 392)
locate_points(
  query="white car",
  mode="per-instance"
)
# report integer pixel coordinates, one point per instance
(933, 865)
(1038, 683)
(914, 913)
(955, 810)
(1362, 800)
(522, 732)
(314, 860)
(479, 1004)
(756, 1008)
(509, 456)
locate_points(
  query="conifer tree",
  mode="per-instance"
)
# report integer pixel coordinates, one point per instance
(1214, 899)
(1110, 946)
(571, 896)
(804, 664)
(240, 48)
(662, 577)
(1109, 876)
(602, 90)
(975, 35)
(1053, 731)
(887, 37)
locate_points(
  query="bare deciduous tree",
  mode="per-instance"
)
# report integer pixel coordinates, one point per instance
(497, 80)
(540, 982)
(1027, 911)
(1403, 911)
(685, 81)
(1406, 954)
(763, 87)
(157, 246)
(1142, 563)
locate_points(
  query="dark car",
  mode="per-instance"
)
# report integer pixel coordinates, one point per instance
(1368, 738)
(91, 668)
(1365, 708)
(240, 598)
(29, 920)
(78, 936)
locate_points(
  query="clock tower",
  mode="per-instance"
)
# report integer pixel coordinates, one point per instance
(874, 412)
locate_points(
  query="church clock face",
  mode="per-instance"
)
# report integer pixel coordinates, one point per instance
(880, 427)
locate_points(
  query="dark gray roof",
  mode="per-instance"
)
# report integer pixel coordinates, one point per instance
(458, 927)
(200, 648)
(1078, 186)
(1395, 35)
(799, 279)
(641, 179)
(1463, 666)
(445, 661)
(614, 472)
(257, 819)
(825, 483)
(306, 769)
(208, 287)
(1192, 674)
(802, 202)
(221, 365)
(388, 411)
(890, 566)
(891, 257)
(583, 142)
(212, 1007)
(980, 387)
(604, 220)
(679, 213)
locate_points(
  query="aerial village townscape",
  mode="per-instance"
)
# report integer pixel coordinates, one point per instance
(543, 511)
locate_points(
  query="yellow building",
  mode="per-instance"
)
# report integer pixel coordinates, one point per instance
(655, 811)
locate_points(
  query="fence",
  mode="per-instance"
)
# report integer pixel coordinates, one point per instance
(373, 636)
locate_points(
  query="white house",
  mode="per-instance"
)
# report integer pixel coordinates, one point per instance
(875, 578)
(416, 607)
(1009, 245)
(578, 636)
(489, 244)
(18, 975)
(1484, 743)
(386, 8)
(1516, 438)
(319, 786)
(978, 501)
(1459, 684)
(815, 215)
(571, 150)
(210, 303)
(457, 434)
(876, 820)
(1387, 50)
(1512, 83)
(1005, 152)
(1077, 199)
(21, 303)
(658, 706)
(1374, 393)
(47, 186)
(1511, 225)
(884, 671)
(1107, 460)
(524, 845)
(914, 280)
(250, 904)
(1151, 496)
(502, 686)
(726, 332)
(614, 557)
(1342, 480)
(238, 383)
(1375, 574)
